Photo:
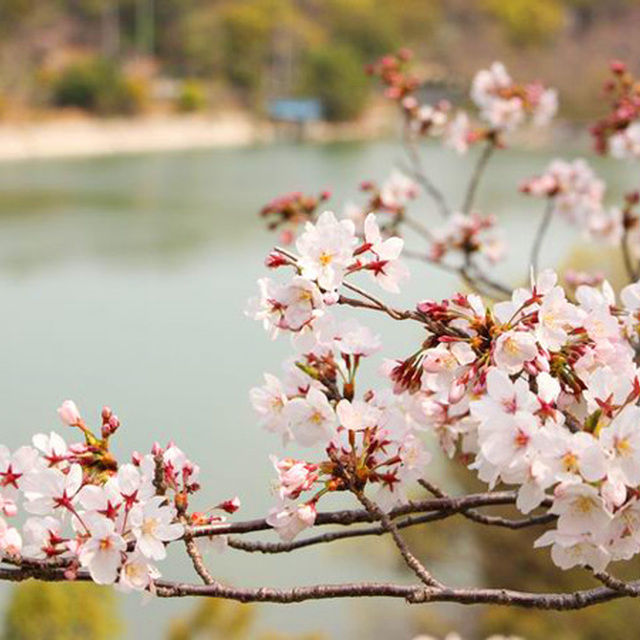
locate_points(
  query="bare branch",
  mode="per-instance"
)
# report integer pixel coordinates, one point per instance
(196, 558)
(542, 230)
(348, 517)
(492, 521)
(52, 572)
(411, 560)
(476, 176)
(616, 584)
(419, 174)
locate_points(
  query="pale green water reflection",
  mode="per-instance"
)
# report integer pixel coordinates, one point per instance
(123, 282)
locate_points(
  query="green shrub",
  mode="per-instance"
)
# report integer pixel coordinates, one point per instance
(192, 97)
(61, 611)
(335, 75)
(99, 86)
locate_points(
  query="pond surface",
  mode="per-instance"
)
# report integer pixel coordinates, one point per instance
(123, 281)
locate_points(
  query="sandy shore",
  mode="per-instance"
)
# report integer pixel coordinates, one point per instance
(84, 137)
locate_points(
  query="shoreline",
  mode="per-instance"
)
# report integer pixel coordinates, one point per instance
(86, 137)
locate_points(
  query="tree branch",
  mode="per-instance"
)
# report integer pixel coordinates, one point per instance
(476, 176)
(542, 230)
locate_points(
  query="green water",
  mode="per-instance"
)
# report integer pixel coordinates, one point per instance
(123, 282)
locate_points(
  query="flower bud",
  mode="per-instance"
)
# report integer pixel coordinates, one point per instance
(617, 66)
(230, 506)
(69, 413)
(156, 449)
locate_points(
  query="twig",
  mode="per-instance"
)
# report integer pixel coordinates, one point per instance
(331, 536)
(411, 594)
(348, 517)
(632, 270)
(196, 558)
(492, 521)
(476, 176)
(411, 560)
(542, 230)
(419, 173)
(612, 582)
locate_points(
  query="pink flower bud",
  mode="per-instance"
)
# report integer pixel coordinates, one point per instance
(106, 414)
(69, 413)
(275, 260)
(230, 506)
(10, 509)
(136, 458)
(156, 449)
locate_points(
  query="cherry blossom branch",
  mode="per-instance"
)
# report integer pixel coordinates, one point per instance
(476, 176)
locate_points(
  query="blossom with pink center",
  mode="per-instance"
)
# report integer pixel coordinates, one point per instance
(102, 552)
(621, 439)
(313, 419)
(513, 349)
(326, 250)
(43, 537)
(52, 446)
(51, 489)
(385, 267)
(269, 402)
(153, 524)
(580, 508)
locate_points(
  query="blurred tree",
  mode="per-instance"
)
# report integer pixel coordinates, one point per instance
(97, 85)
(335, 75)
(49, 611)
(223, 620)
(368, 26)
(526, 22)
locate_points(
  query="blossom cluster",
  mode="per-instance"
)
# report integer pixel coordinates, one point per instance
(86, 511)
(367, 440)
(503, 104)
(577, 195)
(291, 210)
(388, 200)
(468, 235)
(618, 132)
(541, 393)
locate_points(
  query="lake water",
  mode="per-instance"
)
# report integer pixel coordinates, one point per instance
(123, 281)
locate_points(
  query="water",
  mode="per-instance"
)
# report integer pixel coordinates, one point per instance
(123, 282)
